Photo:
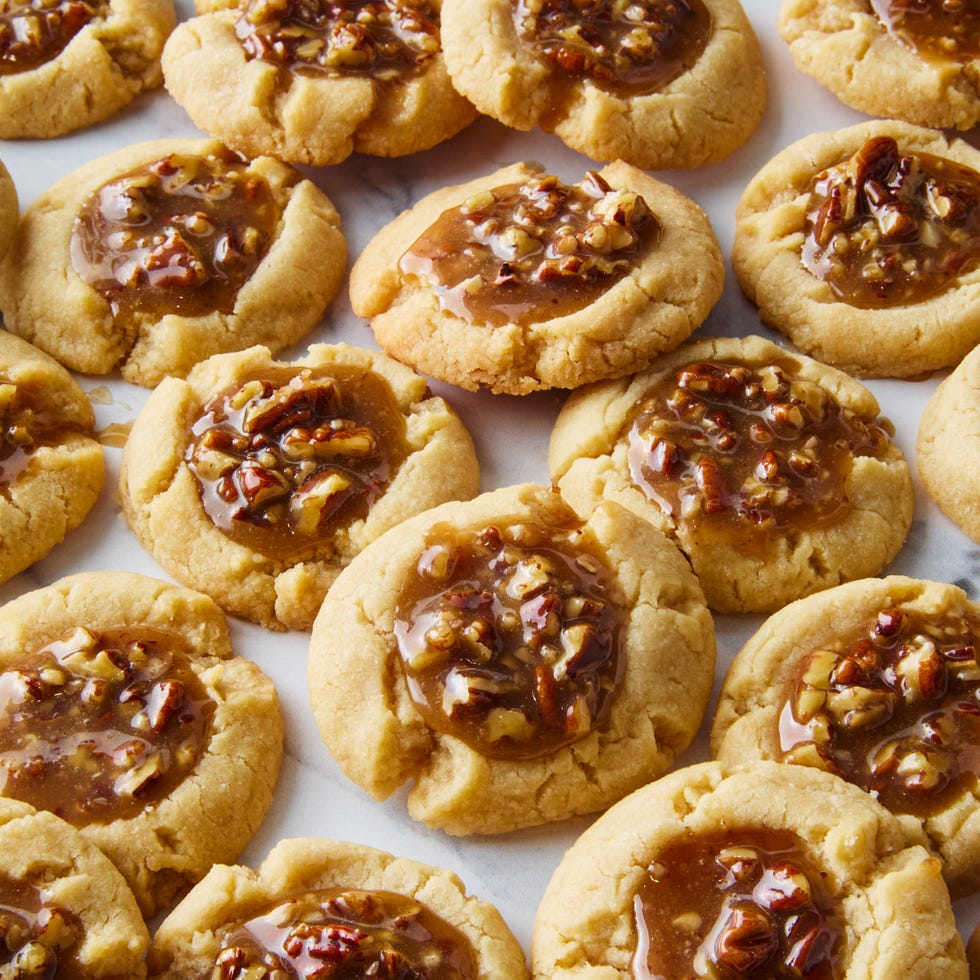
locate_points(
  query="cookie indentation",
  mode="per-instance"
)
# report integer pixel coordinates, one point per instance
(34, 32)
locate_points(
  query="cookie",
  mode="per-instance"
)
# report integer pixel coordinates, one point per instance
(516, 664)
(919, 62)
(863, 247)
(9, 210)
(773, 473)
(659, 85)
(313, 900)
(64, 908)
(156, 256)
(875, 681)
(123, 711)
(948, 445)
(313, 83)
(65, 65)
(768, 871)
(518, 282)
(256, 481)
(51, 465)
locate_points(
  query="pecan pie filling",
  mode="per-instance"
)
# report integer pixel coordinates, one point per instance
(736, 903)
(938, 30)
(37, 939)
(635, 47)
(96, 726)
(892, 707)
(284, 460)
(382, 39)
(532, 251)
(887, 228)
(34, 32)
(180, 235)
(750, 451)
(342, 933)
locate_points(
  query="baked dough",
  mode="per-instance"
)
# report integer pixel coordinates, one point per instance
(699, 117)
(52, 467)
(113, 58)
(282, 586)
(64, 879)
(660, 289)
(189, 939)
(314, 116)
(895, 911)
(46, 300)
(847, 47)
(763, 697)
(213, 807)
(9, 210)
(462, 786)
(902, 340)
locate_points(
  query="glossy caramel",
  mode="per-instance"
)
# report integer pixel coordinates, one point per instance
(34, 32)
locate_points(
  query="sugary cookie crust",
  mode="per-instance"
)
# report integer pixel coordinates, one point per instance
(45, 301)
(185, 944)
(652, 309)
(745, 721)
(62, 481)
(897, 915)
(590, 463)
(896, 342)
(699, 118)
(211, 815)
(9, 210)
(844, 46)
(317, 119)
(670, 651)
(104, 67)
(162, 503)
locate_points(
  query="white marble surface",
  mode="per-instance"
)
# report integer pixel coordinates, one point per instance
(313, 797)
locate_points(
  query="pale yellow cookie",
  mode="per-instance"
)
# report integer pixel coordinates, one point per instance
(364, 905)
(766, 871)
(613, 85)
(64, 908)
(516, 664)
(257, 481)
(51, 465)
(9, 210)
(310, 84)
(154, 257)
(773, 473)
(863, 246)
(914, 61)
(69, 65)
(125, 712)
(518, 281)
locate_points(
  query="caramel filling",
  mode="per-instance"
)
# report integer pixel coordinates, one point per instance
(37, 939)
(891, 706)
(736, 903)
(338, 932)
(529, 252)
(887, 228)
(35, 32)
(96, 727)
(285, 460)
(510, 637)
(938, 30)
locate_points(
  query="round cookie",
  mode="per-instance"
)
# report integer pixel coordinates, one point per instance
(341, 890)
(875, 680)
(64, 66)
(667, 875)
(518, 282)
(948, 445)
(773, 473)
(863, 247)
(146, 733)
(156, 256)
(518, 665)
(9, 210)
(919, 62)
(64, 908)
(310, 84)
(51, 466)
(613, 84)
(257, 481)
